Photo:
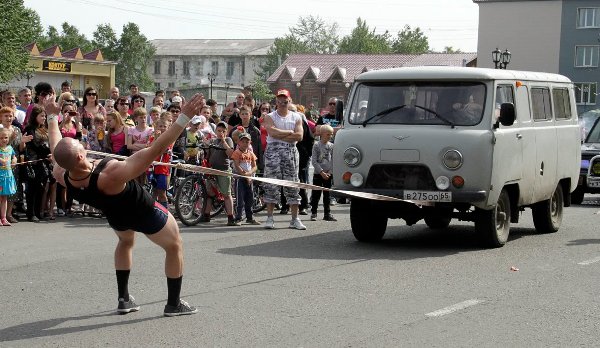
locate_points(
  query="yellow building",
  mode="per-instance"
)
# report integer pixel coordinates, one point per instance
(81, 70)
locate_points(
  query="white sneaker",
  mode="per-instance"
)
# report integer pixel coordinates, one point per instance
(297, 224)
(270, 223)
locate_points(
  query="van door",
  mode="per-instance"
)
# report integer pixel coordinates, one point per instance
(545, 143)
(508, 159)
(526, 137)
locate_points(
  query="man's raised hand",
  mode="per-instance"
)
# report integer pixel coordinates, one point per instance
(192, 107)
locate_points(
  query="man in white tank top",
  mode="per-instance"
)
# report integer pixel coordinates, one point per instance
(284, 130)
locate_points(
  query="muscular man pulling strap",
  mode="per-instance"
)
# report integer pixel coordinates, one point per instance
(109, 185)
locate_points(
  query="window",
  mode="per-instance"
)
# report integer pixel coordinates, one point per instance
(229, 71)
(540, 102)
(214, 68)
(171, 84)
(586, 56)
(336, 79)
(171, 68)
(186, 68)
(561, 102)
(157, 86)
(157, 67)
(243, 69)
(585, 93)
(588, 17)
(200, 69)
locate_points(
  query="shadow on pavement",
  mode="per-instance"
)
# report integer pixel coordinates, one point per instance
(399, 243)
(583, 242)
(44, 328)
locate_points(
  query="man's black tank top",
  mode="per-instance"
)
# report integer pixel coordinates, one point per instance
(122, 209)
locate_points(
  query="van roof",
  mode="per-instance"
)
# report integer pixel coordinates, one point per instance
(457, 73)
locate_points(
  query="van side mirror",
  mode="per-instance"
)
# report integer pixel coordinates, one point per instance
(339, 110)
(507, 114)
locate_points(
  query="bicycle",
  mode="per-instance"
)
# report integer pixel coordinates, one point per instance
(191, 197)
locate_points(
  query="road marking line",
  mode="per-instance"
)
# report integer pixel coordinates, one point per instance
(454, 308)
(590, 261)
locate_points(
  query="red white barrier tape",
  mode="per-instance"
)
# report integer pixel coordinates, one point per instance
(286, 183)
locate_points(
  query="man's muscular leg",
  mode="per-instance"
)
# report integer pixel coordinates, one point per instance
(123, 262)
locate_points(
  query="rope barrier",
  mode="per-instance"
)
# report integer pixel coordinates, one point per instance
(279, 182)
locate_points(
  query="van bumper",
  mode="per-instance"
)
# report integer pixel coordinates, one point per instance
(458, 197)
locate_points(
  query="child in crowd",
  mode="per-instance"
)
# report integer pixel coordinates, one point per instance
(244, 162)
(137, 137)
(193, 140)
(167, 116)
(160, 173)
(117, 132)
(8, 185)
(154, 115)
(95, 136)
(218, 158)
(321, 161)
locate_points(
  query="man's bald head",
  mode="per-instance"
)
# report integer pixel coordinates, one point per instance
(66, 153)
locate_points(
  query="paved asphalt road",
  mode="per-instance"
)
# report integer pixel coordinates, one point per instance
(314, 288)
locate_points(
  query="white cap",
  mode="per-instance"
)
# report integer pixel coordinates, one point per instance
(176, 99)
(198, 119)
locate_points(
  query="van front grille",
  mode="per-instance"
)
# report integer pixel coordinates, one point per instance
(401, 177)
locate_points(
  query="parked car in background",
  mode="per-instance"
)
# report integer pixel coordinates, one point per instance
(586, 121)
(589, 149)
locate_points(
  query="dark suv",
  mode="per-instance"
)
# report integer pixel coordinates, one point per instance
(589, 149)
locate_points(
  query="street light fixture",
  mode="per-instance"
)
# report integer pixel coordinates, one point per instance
(500, 59)
(211, 77)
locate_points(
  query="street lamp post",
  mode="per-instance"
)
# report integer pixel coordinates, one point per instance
(227, 85)
(211, 77)
(500, 59)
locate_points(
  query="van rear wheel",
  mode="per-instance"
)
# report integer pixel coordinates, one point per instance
(547, 215)
(368, 224)
(493, 226)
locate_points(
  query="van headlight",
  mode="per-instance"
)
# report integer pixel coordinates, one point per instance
(352, 157)
(452, 159)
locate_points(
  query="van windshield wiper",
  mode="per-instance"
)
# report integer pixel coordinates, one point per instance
(447, 121)
(383, 113)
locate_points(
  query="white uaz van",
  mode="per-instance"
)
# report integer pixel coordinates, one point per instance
(459, 143)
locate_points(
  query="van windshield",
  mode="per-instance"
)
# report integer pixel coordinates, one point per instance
(423, 102)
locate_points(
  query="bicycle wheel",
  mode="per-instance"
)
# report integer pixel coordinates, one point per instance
(218, 206)
(189, 200)
(258, 203)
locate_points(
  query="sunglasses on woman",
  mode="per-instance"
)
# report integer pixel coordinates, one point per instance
(92, 94)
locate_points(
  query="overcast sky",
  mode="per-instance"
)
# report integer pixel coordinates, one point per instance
(444, 22)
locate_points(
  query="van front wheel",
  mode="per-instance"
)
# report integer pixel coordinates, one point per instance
(368, 224)
(493, 225)
(547, 215)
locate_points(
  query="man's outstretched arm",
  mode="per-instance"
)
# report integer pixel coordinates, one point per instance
(137, 163)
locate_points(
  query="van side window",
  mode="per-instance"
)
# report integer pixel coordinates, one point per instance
(504, 94)
(562, 104)
(540, 103)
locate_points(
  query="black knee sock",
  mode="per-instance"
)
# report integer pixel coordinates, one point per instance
(122, 284)
(174, 288)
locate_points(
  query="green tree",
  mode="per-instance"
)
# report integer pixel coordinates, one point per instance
(364, 40)
(260, 90)
(19, 26)
(135, 53)
(450, 49)
(411, 41)
(106, 40)
(310, 35)
(68, 38)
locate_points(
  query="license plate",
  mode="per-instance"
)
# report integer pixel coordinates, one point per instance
(428, 196)
(593, 183)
